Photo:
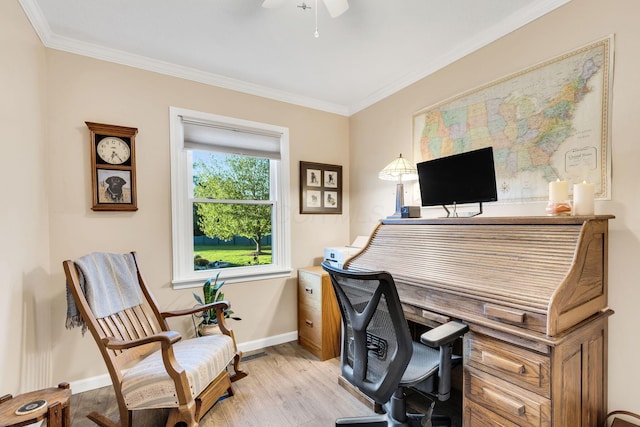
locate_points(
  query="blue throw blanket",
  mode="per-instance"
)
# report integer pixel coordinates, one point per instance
(109, 283)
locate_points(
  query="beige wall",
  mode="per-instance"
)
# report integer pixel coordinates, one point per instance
(24, 231)
(49, 218)
(380, 132)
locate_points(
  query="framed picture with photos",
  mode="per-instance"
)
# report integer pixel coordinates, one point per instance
(320, 188)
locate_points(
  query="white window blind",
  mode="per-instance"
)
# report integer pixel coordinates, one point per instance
(208, 136)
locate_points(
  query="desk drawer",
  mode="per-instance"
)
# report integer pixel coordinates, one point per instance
(478, 416)
(310, 324)
(309, 289)
(519, 366)
(508, 401)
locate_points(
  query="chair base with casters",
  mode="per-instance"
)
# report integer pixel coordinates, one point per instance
(397, 406)
(395, 410)
(379, 356)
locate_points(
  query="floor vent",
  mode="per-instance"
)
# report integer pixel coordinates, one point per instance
(254, 356)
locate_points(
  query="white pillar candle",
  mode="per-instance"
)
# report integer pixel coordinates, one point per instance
(583, 199)
(558, 191)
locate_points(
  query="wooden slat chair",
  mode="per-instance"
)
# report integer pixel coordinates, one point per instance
(153, 367)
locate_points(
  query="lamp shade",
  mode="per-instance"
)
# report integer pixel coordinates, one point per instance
(399, 170)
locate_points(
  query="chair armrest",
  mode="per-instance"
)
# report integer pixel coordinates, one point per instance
(220, 305)
(444, 334)
(173, 368)
(166, 337)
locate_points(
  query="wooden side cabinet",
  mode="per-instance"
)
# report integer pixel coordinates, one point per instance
(515, 382)
(319, 326)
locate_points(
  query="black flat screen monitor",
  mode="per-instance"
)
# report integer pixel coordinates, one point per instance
(461, 178)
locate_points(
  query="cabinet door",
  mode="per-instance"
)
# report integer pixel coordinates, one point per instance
(579, 380)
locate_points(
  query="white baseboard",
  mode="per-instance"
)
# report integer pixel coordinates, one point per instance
(91, 383)
(104, 380)
(268, 341)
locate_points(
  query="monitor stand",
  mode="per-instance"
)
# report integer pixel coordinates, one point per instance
(455, 213)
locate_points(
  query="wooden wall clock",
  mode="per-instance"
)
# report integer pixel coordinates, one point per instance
(113, 167)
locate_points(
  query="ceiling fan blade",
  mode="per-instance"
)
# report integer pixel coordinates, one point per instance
(269, 4)
(336, 7)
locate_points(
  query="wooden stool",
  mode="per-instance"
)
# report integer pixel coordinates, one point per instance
(57, 412)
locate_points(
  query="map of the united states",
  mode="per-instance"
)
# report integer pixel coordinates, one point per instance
(545, 123)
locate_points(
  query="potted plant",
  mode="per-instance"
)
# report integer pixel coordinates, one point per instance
(211, 293)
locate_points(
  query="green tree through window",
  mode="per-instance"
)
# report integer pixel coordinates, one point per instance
(233, 194)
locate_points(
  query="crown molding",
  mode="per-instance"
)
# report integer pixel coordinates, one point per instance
(54, 41)
(37, 19)
(514, 22)
(187, 73)
(66, 44)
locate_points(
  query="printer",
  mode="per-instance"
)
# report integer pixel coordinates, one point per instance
(338, 255)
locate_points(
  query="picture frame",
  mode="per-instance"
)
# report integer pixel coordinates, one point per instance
(320, 188)
(114, 187)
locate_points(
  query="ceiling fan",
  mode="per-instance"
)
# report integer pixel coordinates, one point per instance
(335, 7)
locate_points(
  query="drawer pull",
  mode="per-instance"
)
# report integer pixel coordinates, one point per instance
(509, 315)
(309, 323)
(504, 402)
(439, 318)
(502, 363)
(308, 290)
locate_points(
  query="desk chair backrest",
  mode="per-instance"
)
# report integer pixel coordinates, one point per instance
(376, 343)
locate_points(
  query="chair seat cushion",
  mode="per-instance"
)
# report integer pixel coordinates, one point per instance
(147, 384)
(425, 362)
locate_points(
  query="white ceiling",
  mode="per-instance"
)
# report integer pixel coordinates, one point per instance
(374, 49)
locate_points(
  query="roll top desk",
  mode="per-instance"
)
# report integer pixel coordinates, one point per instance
(533, 291)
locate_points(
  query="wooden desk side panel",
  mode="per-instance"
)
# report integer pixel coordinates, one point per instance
(584, 290)
(332, 329)
(579, 378)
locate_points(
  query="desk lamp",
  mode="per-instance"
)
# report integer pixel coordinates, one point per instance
(399, 170)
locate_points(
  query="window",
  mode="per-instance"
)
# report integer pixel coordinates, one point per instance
(229, 192)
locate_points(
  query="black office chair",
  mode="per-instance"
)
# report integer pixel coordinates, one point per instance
(378, 355)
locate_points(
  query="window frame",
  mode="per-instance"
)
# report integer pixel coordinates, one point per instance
(183, 274)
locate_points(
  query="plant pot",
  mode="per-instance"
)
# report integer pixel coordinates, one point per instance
(208, 329)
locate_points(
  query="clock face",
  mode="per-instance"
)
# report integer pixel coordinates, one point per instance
(113, 150)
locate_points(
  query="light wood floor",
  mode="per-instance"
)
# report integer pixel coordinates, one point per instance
(286, 386)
